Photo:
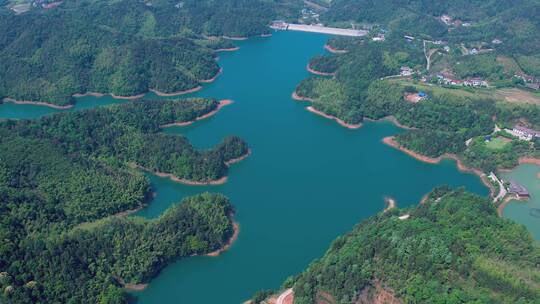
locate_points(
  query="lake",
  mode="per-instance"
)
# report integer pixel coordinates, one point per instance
(307, 181)
(522, 211)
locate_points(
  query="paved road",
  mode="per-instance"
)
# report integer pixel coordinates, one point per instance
(283, 296)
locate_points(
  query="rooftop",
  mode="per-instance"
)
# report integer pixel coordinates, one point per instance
(517, 189)
(527, 130)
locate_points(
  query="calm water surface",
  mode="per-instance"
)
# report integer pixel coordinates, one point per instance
(307, 181)
(520, 211)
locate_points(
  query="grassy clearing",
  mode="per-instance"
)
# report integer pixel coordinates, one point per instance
(509, 64)
(510, 95)
(498, 143)
(515, 95)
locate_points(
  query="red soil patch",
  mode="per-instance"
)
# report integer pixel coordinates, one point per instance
(312, 71)
(159, 93)
(297, 97)
(236, 48)
(339, 121)
(333, 50)
(38, 103)
(213, 78)
(234, 237)
(222, 103)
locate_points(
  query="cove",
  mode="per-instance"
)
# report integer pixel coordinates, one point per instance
(307, 181)
(522, 211)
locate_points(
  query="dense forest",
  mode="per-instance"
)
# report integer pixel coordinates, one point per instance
(122, 47)
(452, 249)
(65, 181)
(130, 133)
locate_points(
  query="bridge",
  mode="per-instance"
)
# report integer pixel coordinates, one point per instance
(280, 25)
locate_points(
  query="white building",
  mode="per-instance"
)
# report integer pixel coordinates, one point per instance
(523, 133)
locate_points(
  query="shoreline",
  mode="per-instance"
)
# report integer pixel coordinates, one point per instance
(213, 78)
(230, 242)
(97, 94)
(334, 51)
(506, 201)
(390, 140)
(214, 182)
(37, 103)
(390, 204)
(130, 211)
(222, 103)
(163, 94)
(234, 38)
(215, 253)
(236, 48)
(297, 97)
(339, 121)
(128, 97)
(529, 160)
(94, 94)
(238, 159)
(131, 287)
(315, 72)
(392, 119)
(219, 181)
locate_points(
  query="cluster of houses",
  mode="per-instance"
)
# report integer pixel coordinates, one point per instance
(449, 21)
(309, 14)
(279, 25)
(530, 81)
(379, 37)
(523, 133)
(476, 82)
(406, 71)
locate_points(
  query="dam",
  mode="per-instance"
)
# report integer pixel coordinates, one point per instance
(281, 25)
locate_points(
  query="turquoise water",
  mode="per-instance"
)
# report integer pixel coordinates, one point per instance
(520, 211)
(307, 181)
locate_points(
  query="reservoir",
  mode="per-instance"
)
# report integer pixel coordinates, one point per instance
(307, 181)
(526, 212)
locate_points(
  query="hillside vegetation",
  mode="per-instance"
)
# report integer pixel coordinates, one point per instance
(453, 249)
(66, 183)
(121, 47)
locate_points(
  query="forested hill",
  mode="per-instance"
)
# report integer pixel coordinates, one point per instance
(453, 249)
(130, 133)
(60, 175)
(514, 22)
(121, 47)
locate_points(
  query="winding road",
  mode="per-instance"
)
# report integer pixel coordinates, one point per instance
(286, 297)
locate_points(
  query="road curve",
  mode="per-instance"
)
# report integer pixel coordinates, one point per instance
(284, 295)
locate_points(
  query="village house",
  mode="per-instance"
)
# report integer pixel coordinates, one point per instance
(409, 38)
(379, 37)
(447, 79)
(523, 133)
(475, 82)
(518, 189)
(534, 86)
(406, 71)
(446, 19)
(279, 25)
(496, 41)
